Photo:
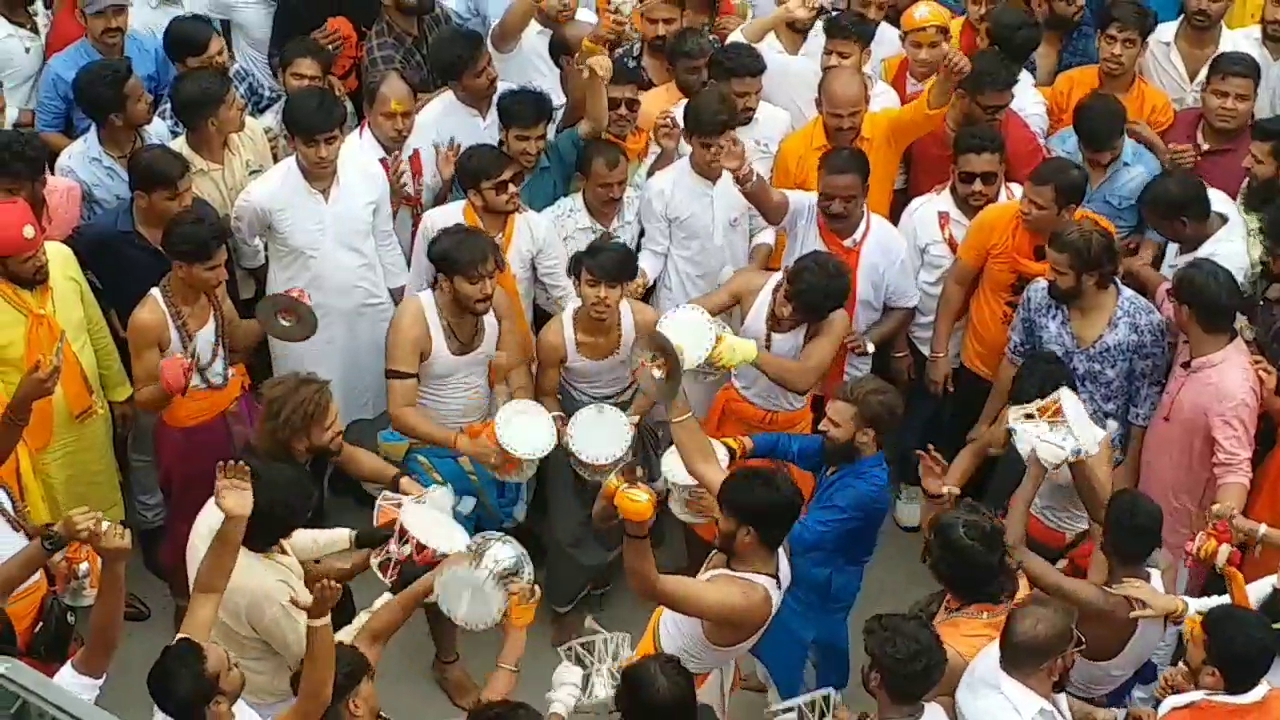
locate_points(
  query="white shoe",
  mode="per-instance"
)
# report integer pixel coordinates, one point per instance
(906, 508)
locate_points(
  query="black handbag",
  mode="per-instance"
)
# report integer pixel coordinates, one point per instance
(54, 638)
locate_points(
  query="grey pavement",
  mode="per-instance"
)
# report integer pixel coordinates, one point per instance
(895, 579)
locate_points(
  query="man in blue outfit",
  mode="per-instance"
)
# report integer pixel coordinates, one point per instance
(831, 544)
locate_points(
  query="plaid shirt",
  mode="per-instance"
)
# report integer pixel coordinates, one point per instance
(259, 96)
(387, 47)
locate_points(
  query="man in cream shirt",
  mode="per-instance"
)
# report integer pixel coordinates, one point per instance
(1163, 64)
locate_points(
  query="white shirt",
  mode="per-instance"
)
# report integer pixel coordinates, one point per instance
(241, 711)
(1030, 104)
(885, 279)
(577, 229)
(529, 63)
(250, 31)
(886, 44)
(1162, 65)
(81, 686)
(1182, 700)
(344, 252)
(536, 256)
(696, 233)
(446, 118)
(760, 137)
(21, 59)
(771, 45)
(1268, 102)
(930, 256)
(986, 692)
(1229, 247)
(152, 16)
(361, 142)
(12, 542)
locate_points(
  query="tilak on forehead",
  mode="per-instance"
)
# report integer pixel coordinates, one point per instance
(398, 107)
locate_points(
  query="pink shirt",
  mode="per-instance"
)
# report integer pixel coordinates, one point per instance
(61, 207)
(1201, 437)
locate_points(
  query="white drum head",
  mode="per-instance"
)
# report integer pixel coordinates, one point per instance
(474, 594)
(525, 429)
(434, 529)
(692, 331)
(677, 475)
(817, 705)
(599, 434)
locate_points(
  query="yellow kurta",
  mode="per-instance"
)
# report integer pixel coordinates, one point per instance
(79, 465)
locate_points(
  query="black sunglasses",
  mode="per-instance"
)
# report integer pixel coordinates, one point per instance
(988, 179)
(632, 104)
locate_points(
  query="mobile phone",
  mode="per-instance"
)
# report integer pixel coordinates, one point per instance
(58, 350)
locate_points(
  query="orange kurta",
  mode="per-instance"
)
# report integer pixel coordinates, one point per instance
(654, 102)
(1144, 102)
(968, 629)
(1264, 507)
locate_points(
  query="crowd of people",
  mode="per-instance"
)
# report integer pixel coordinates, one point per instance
(1058, 361)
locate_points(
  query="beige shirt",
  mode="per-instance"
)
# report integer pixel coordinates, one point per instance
(257, 623)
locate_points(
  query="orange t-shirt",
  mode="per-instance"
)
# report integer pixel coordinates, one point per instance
(1144, 102)
(967, 630)
(1004, 251)
(654, 102)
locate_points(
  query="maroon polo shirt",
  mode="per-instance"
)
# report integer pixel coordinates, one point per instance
(1222, 166)
(930, 158)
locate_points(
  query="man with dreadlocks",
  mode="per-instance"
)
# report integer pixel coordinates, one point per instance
(181, 337)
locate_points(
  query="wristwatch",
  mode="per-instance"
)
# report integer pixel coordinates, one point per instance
(51, 540)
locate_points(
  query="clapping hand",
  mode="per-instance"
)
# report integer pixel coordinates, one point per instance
(325, 594)
(113, 542)
(233, 489)
(80, 525)
(1183, 155)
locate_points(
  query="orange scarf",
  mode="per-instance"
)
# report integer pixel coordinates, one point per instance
(197, 407)
(850, 256)
(43, 332)
(506, 279)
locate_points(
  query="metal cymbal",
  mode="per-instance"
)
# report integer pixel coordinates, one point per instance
(287, 317)
(655, 365)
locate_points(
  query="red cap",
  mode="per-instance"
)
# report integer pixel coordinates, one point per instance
(20, 232)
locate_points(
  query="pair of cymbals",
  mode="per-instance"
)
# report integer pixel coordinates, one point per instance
(288, 316)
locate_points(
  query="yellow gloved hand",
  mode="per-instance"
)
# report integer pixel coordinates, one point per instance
(612, 486)
(522, 605)
(732, 351)
(636, 503)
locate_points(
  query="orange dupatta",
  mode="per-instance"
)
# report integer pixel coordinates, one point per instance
(851, 256)
(506, 279)
(42, 335)
(197, 407)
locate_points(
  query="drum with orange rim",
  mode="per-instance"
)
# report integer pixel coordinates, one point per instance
(424, 531)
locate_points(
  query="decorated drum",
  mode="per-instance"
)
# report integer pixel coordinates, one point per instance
(525, 430)
(681, 485)
(817, 705)
(598, 438)
(474, 594)
(424, 530)
(601, 655)
(692, 331)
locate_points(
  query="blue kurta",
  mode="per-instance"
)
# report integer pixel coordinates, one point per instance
(829, 548)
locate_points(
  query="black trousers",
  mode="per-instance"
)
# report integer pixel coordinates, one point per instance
(924, 411)
(961, 409)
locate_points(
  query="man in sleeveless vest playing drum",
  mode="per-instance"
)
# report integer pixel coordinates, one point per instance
(442, 346)
(181, 337)
(584, 357)
(711, 620)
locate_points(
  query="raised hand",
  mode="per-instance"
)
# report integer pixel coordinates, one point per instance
(666, 132)
(733, 154)
(932, 469)
(113, 542)
(39, 382)
(233, 489)
(81, 524)
(955, 67)
(325, 594)
(447, 160)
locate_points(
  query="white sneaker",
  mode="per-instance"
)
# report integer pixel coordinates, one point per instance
(906, 508)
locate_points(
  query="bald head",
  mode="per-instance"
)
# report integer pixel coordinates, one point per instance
(391, 87)
(842, 87)
(1036, 632)
(390, 105)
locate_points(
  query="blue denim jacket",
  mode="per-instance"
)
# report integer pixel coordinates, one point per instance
(1116, 197)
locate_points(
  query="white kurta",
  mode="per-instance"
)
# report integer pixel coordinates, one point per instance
(362, 143)
(345, 254)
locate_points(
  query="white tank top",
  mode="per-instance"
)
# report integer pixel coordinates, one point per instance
(684, 637)
(1058, 505)
(205, 341)
(455, 389)
(1091, 679)
(754, 386)
(599, 379)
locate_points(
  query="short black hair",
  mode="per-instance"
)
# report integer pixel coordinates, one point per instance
(1240, 644)
(1211, 293)
(845, 161)
(1234, 64)
(992, 73)
(1176, 193)
(179, 681)
(285, 494)
(734, 61)
(454, 51)
(818, 284)
(966, 553)
(1099, 122)
(907, 653)
(524, 108)
(656, 686)
(978, 139)
(1036, 632)
(312, 112)
(1267, 131)
(197, 95)
(156, 167)
(1132, 527)
(195, 234)
(98, 88)
(850, 26)
(763, 498)
(1090, 248)
(710, 113)
(689, 43)
(1127, 16)
(607, 260)
(463, 251)
(624, 74)
(503, 710)
(606, 152)
(1069, 181)
(1041, 374)
(559, 49)
(479, 164)
(188, 36)
(1013, 32)
(305, 47)
(23, 156)
(351, 667)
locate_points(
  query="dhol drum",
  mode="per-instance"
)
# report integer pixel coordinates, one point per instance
(474, 594)
(601, 655)
(424, 531)
(817, 705)
(599, 439)
(681, 485)
(525, 430)
(694, 333)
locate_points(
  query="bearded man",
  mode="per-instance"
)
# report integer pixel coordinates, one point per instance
(1261, 188)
